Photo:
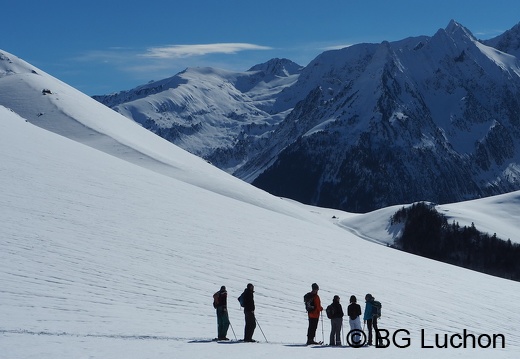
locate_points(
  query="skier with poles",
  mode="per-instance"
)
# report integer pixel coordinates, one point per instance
(314, 309)
(220, 304)
(247, 301)
(335, 314)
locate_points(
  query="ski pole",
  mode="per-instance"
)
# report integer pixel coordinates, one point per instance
(261, 330)
(233, 330)
(342, 333)
(322, 330)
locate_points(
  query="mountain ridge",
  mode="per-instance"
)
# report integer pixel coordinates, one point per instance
(372, 125)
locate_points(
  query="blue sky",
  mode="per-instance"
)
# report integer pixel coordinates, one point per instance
(106, 46)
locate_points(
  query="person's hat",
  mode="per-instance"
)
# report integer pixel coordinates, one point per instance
(315, 286)
(223, 288)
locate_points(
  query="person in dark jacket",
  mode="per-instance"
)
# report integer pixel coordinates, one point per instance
(354, 312)
(370, 319)
(249, 313)
(335, 313)
(222, 314)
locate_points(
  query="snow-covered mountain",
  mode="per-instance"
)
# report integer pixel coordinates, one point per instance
(220, 115)
(113, 241)
(425, 118)
(508, 42)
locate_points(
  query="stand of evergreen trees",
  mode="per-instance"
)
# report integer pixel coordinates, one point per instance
(427, 233)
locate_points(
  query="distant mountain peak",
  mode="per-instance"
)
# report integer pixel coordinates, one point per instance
(508, 42)
(278, 67)
(455, 28)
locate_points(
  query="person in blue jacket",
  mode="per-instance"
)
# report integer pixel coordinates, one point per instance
(370, 319)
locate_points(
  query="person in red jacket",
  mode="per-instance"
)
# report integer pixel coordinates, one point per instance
(314, 314)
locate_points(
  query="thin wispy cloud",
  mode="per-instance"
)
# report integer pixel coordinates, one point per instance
(182, 51)
(335, 47)
(120, 54)
(145, 63)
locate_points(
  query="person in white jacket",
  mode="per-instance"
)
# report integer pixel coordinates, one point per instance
(354, 313)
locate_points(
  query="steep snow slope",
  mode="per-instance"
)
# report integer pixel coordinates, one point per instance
(75, 115)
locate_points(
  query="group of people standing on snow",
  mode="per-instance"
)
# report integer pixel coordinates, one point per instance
(247, 302)
(335, 314)
(314, 311)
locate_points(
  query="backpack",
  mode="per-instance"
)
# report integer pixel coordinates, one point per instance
(241, 300)
(216, 298)
(308, 299)
(330, 311)
(376, 309)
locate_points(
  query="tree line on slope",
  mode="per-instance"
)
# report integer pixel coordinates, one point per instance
(427, 233)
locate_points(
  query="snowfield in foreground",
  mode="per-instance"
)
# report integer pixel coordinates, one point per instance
(104, 259)
(113, 250)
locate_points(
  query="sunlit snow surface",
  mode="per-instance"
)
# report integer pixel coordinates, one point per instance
(113, 250)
